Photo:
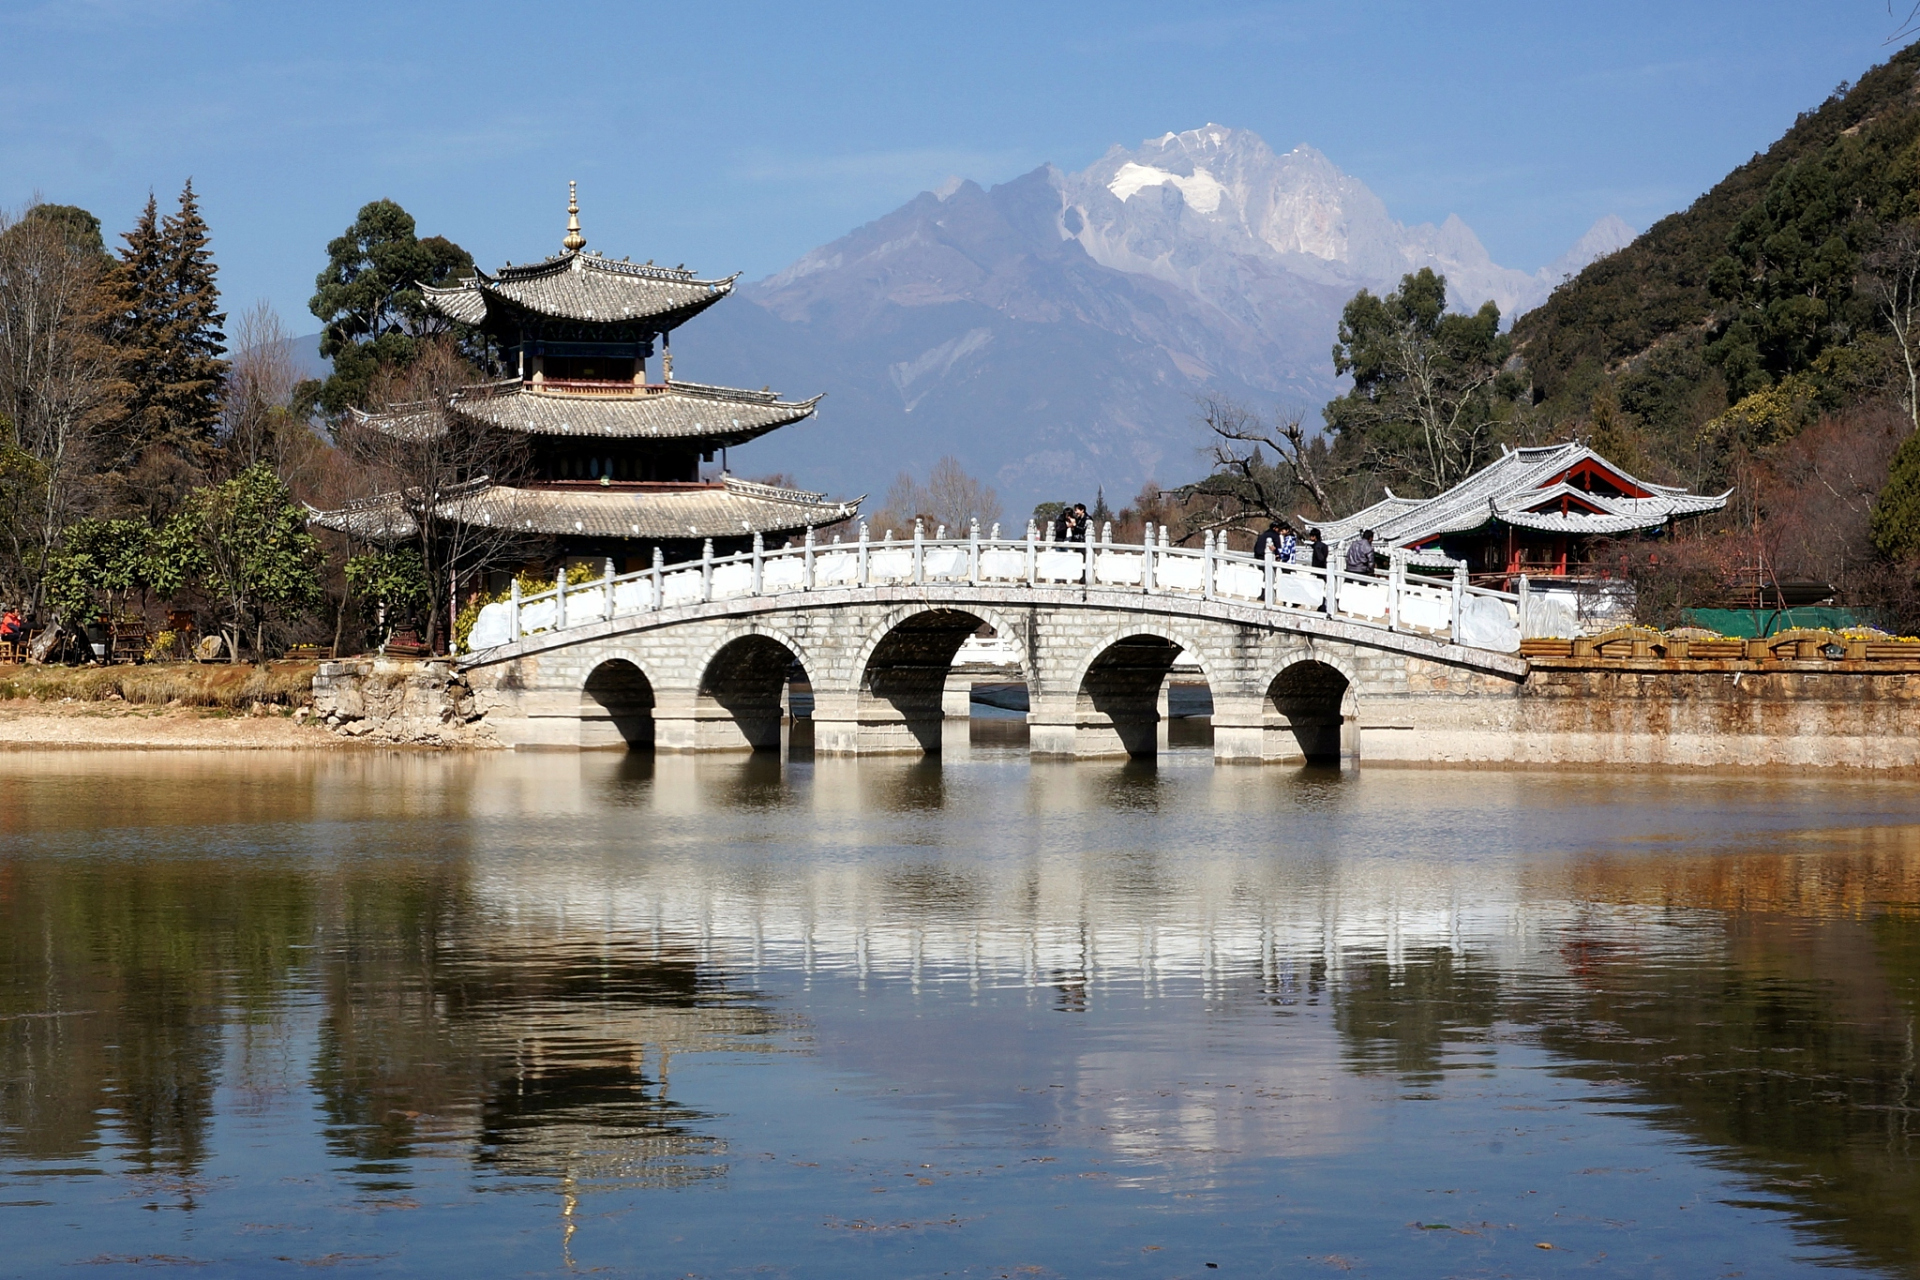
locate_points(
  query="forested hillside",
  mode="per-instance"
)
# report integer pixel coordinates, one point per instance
(1765, 284)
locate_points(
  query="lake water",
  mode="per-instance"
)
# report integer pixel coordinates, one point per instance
(536, 1014)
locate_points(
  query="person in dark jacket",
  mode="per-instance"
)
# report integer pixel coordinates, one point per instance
(1317, 549)
(1077, 530)
(1267, 545)
(1360, 555)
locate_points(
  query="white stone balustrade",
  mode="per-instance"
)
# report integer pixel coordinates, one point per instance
(1400, 600)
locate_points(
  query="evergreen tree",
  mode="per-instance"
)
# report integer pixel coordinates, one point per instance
(1421, 414)
(370, 301)
(139, 329)
(77, 226)
(1896, 512)
(168, 323)
(197, 372)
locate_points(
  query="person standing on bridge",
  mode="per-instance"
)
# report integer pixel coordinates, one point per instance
(1360, 555)
(1077, 523)
(1316, 549)
(1267, 545)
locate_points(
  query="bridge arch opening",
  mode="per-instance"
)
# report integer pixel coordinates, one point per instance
(904, 689)
(616, 707)
(743, 695)
(1127, 690)
(1310, 714)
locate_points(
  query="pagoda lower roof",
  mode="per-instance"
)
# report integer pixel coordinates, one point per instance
(729, 508)
(615, 410)
(581, 287)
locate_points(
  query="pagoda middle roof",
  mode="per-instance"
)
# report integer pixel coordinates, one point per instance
(583, 286)
(672, 411)
(730, 507)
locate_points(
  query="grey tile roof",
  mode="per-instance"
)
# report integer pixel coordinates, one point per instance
(582, 286)
(679, 411)
(1505, 489)
(731, 508)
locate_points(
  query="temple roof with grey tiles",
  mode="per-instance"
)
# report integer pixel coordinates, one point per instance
(1525, 488)
(583, 286)
(729, 508)
(675, 411)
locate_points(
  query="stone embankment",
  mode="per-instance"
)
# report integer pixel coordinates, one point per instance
(395, 700)
(1636, 698)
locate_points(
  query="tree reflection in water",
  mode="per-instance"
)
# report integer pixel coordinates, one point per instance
(133, 984)
(493, 967)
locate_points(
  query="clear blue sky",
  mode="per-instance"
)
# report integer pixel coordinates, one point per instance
(736, 136)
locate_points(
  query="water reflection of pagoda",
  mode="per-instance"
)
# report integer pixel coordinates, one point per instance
(614, 466)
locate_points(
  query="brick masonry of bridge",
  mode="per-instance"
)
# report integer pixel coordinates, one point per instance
(713, 677)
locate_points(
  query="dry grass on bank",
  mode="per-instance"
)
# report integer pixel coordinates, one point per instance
(189, 684)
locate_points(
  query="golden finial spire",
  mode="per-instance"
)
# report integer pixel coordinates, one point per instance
(574, 242)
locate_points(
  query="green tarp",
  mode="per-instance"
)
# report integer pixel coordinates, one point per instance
(1757, 624)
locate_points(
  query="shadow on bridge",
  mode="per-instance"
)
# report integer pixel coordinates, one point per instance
(616, 708)
(1312, 703)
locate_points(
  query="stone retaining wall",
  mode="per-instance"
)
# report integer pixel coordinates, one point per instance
(1655, 712)
(400, 701)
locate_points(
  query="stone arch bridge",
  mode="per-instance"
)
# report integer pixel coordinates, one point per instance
(621, 662)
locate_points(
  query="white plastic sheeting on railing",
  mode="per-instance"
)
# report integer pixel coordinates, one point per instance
(1293, 590)
(1364, 598)
(493, 627)
(1060, 566)
(1433, 606)
(1118, 568)
(783, 575)
(1240, 581)
(836, 569)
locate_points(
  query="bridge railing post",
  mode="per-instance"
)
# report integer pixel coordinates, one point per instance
(1268, 569)
(1525, 593)
(807, 580)
(1396, 582)
(560, 596)
(1088, 549)
(1206, 567)
(1334, 561)
(973, 552)
(759, 559)
(1146, 559)
(1033, 555)
(919, 553)
(606, 592)
(862, 554)
(1459, 597)
(513, 604)
(706, 570)
(659, 564)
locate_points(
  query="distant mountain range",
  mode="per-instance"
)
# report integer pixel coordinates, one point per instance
(1052, 332)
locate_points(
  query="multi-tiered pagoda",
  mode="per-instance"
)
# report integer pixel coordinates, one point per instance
(614, 460)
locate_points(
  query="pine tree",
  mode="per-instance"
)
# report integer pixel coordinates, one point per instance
(196, 373)
(138, 328)
(168, 321)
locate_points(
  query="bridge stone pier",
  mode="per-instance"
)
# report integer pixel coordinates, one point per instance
(714, 675)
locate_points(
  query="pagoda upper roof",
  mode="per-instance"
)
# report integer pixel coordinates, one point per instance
(729, 508)
(583, 286)
(669, 411)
